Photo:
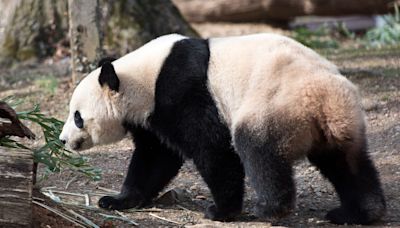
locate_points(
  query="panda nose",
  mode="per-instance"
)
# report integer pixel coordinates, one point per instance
(63, 141)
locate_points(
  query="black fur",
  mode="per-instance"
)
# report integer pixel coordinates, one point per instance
(78, 119)
(269, 172)
(186, 119)
(108, 76)
(356, 181)
(152, 166)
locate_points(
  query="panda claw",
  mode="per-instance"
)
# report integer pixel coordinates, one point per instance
(212, 213)
(120, 202)
(107, 202)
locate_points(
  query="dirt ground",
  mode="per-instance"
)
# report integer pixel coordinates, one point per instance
(375, 72)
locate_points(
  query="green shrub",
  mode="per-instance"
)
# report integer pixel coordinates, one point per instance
(47, 83)
(388, 34)
(318, 39)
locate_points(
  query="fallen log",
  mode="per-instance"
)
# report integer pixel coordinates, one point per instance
(16, 173)
(16, 181)
(276, 10)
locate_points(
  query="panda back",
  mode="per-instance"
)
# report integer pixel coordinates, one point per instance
(252, 69)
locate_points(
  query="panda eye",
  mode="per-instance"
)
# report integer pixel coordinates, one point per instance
(78, 119)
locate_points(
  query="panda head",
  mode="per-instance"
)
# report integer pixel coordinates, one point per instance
(95, 115)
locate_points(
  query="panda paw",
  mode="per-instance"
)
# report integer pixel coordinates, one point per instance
(214, 214)
(120, 202)
(265, 211)
(348, 216)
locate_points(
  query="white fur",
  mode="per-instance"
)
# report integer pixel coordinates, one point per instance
(247, 65)
(103, 110)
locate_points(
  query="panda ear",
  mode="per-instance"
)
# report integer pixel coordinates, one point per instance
(105, 59)
(108, 76)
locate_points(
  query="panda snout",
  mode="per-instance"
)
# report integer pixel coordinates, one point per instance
(62, 138)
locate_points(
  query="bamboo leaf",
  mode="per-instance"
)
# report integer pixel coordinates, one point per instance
(53, 154)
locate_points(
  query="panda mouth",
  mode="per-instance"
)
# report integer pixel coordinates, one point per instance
(78, 144)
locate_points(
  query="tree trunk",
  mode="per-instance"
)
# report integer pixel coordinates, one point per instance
(16, 174)
(131, 23)
(277, 10)
(85, 41)
(30, 28)
(117, 27)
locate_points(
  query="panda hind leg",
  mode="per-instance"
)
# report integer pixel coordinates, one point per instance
(356, 181)
(270, 174)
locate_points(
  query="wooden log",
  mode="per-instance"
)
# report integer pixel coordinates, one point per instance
(276, 10)
(16, 174)
(15, 127)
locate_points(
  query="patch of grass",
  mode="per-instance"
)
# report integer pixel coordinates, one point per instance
(47, 83)
(388, 34)
(318, 39)
(53, 154)
(326, 39)
(385, 98)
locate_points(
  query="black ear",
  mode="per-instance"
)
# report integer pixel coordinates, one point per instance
(108, 76)
(105, 59)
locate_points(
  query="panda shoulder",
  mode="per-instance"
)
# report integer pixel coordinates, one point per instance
(170, 38)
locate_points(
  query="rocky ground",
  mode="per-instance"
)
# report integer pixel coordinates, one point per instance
(375, 72)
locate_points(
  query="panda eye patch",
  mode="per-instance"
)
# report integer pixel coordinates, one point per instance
(78, 119)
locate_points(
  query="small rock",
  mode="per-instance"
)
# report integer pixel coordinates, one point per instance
(173, 196)
(200, 197)
(370, 105)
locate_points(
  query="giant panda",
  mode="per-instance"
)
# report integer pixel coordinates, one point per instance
(240, 105)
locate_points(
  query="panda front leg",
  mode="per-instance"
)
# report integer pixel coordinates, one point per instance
(151, 168)
(223, 173)
(270, 174)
